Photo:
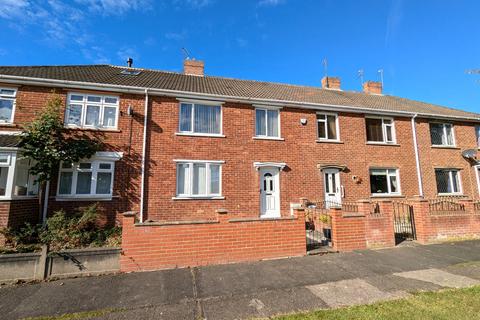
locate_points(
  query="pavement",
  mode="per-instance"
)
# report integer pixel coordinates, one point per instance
(251, 290)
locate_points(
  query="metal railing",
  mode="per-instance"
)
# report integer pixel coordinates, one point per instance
(446, 206)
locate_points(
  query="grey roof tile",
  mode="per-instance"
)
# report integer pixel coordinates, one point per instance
(155, 79)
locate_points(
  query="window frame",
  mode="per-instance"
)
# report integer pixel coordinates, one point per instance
(266, 136)
(337, 125)
(192, 131)
(208, 194)
(84, 105)
(12, 98)
(95, 169)
(11, 164)
(388, 175)
(450, 181)
(444, 124)
(384, 130)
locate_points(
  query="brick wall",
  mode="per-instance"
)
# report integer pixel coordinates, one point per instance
(299, 150)
(431, 227)
(451, 157)
(127, 139)
(224, 240)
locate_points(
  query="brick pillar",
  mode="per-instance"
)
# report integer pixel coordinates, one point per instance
(421, 215)
(386, 210)
(471, 227)
(348, 230)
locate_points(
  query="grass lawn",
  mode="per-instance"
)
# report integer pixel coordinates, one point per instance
(452, 304)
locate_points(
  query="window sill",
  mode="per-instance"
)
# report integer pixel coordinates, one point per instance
(7, 124)
(387, 196)
(199, 198)
(207, 135)
(445, 147)
(329, 141)
(269, 138)
(18, 198)
(90, 198)
(383, 144)
(450, 195)
(92, 129)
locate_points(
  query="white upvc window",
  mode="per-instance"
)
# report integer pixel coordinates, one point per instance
(86, 179)
(267, 123)
(384, 182)
(327, 127)
(7, 104)
(202, 119)
(442, 134)
(92, 111)
(448, 182)
(380, 130)
(16, 181)
(199, 179)
(477, 135)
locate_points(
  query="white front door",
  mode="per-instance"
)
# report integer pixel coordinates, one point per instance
(269, 192)
(333, 189)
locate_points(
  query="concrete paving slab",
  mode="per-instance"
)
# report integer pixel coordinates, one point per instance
(468, 269)
(216, 281)
(394, 284)
(96, 293)
(440, 277)
(262, 304)
(351, 292)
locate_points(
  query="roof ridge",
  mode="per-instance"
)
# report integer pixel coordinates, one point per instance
(57, 65)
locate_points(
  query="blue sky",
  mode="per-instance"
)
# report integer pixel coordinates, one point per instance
(424, 47)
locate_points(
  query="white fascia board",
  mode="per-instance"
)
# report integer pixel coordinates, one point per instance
(205, 96)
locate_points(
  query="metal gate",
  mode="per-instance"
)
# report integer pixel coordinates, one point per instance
(403, 222)
(317, 227)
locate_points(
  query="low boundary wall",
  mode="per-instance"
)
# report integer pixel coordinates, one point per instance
(67, 263)
(152, 246)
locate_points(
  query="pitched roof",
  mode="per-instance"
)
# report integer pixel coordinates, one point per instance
(227, 87)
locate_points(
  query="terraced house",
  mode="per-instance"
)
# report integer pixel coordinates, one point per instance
(186, 148)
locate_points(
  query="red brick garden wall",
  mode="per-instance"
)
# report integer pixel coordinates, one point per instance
(431, 227)
(223, 240)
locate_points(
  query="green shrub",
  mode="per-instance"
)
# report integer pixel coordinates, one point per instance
(63, 231)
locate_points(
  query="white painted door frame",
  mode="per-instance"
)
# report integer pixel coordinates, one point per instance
(269, 192)
(332, 186)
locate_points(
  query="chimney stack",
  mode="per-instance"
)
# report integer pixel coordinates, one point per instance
(193, 67)
(331, 83)
(129, 62)
(372, 87)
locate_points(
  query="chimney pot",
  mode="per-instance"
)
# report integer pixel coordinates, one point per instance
(372, 87)
(193, 67)
(331, 83)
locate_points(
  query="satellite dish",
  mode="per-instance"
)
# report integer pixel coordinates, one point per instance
(470, 154)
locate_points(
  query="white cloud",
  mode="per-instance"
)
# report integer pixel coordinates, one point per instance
(64, 23)
(193, 4)
(176, 36)
(115, 7)
(242, 42)
(127, 52)
(394, 19)
(11, 9)
(270, 3)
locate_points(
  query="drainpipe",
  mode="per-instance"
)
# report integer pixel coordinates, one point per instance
(417, 157)
(144, 150)
(45, 203)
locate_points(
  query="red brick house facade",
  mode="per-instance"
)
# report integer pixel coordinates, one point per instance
(184, 147)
